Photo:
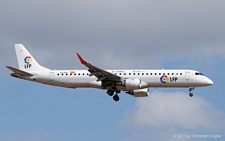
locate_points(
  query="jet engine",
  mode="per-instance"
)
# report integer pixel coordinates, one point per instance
(139, 92)
(134, 84)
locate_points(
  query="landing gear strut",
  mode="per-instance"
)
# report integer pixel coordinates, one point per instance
(190, 91)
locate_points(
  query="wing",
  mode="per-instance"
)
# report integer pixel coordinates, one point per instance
(101, 74)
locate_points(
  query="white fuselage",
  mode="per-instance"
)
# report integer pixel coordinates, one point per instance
(134, 82)
(154, 78)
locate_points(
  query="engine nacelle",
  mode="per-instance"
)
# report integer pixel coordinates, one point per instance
(139, 92)
(134, 84)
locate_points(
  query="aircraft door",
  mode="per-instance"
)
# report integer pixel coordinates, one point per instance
(187, 76)
(51, 76)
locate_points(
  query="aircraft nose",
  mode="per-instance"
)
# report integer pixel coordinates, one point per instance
(209, 82)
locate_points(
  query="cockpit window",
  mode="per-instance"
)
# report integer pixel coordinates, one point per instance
(197, 73)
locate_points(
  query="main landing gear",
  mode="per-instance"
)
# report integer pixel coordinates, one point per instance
(190, 91)
(111, 93)
(116, 97)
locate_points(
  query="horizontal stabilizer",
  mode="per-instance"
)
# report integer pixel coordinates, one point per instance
(19, 72)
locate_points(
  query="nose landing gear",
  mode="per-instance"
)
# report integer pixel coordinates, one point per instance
(190, 91)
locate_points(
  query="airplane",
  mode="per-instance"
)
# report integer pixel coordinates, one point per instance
(134, 82)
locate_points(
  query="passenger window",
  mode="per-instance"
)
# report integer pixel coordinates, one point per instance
(172, 73)
(168, 73)
(124, 74)
(129, 73)
(180, 73)
(155, 73)
(146, 73)
(159, 73)
(120, 73)
(151, 74)
(138, 74)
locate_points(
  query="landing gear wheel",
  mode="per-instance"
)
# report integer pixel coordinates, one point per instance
(110, 92)
(190, 94)
(116, 97)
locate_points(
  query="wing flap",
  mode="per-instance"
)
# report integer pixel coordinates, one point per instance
(19, 72)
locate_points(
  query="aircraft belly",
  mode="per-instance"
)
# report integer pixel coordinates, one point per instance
(65, 82)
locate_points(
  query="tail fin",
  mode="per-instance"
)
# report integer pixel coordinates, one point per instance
(25, 60)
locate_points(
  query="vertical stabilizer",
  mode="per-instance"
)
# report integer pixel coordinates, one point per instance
(25, 60)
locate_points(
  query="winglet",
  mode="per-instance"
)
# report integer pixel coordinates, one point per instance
(81, 59)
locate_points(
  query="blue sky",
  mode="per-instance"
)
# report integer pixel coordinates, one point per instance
(113, 35)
